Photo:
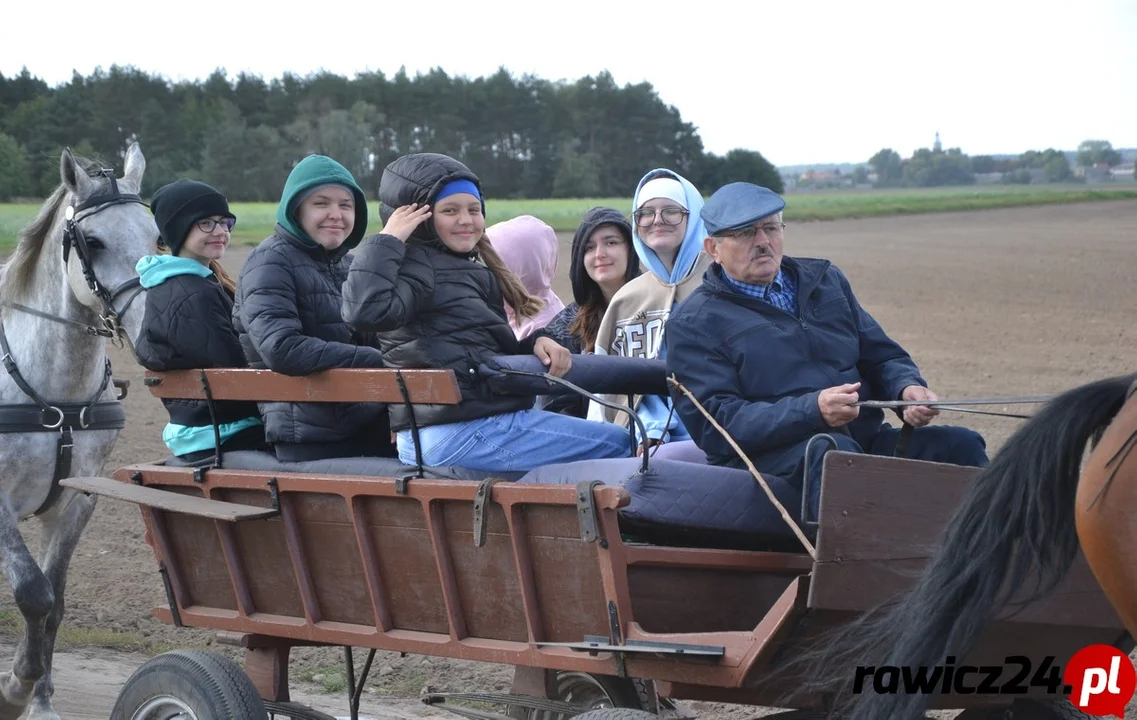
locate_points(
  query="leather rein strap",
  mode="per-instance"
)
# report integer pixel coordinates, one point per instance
(45, 416)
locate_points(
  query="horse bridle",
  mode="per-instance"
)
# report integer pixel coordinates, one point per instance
(45, 416)
(73, 237)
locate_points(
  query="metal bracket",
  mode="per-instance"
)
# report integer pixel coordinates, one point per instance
(354, 689)
(402, 477)
(616, 638)
(807, 518)
(170, 594)
(481, 498)
(596, 644)
(586, 510)
(274, 493)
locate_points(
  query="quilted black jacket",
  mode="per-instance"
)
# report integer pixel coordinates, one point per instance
(429, 306)
(186, 325)
(287, 314)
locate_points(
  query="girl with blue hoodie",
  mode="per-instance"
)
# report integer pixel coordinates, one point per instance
(187, 323)
(668, 238)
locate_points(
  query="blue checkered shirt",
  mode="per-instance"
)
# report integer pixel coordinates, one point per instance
(781, 293)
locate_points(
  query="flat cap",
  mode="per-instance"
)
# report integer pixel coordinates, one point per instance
(739, 204)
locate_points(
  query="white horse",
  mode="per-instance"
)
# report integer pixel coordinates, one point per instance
(64, 292)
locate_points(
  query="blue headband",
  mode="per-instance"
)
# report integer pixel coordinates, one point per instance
(455, 187)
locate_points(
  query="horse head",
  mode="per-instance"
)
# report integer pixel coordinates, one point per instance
(107, 229)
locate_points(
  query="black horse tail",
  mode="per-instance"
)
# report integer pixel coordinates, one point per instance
(1016, 520)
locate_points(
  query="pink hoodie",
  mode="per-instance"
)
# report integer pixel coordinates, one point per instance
(529, 248)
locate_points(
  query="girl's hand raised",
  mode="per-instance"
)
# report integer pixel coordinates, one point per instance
(404, 220)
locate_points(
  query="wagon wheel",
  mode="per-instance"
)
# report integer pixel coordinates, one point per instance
(189, 685)
(591, 692)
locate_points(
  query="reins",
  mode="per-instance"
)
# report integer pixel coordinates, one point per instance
(91, 414)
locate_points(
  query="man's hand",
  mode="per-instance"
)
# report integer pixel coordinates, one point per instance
(836, 404)
(404, 220)
(918, 415)
(557, 358)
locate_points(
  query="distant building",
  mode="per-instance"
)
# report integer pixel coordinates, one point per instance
(936, 147)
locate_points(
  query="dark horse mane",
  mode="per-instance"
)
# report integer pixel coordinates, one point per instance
(18, 271)
(1015, 523)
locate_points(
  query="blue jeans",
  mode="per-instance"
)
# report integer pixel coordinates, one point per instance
(518, 441)
(934, 443)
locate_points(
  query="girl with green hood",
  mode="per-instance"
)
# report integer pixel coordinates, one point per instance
(287, 314)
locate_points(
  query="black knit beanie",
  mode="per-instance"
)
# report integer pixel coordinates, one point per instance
(180, 204)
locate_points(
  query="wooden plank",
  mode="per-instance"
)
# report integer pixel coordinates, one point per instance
(881, 520)
(885, 508)
(339, 385)
(164, 500)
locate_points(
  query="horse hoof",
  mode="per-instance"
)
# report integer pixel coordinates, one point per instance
(42, 710)
(14, 695)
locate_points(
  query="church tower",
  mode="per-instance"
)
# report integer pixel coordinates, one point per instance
(936, 147)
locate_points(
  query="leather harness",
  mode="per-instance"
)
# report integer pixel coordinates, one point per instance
(66, 418)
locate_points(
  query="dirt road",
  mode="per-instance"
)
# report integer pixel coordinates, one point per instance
(1005, 302)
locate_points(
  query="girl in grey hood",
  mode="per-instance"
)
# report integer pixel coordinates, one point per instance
(603, 260)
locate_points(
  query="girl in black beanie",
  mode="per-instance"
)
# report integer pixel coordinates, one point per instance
(188, 317)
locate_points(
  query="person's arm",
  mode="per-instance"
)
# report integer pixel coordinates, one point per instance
(270, 315)
(886, 365)
(385, 289)
(202, 327)
(700, 363)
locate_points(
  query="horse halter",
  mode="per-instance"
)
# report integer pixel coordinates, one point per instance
(73, 237)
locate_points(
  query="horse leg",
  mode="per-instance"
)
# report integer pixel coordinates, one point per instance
(63, 525)
(35, 599)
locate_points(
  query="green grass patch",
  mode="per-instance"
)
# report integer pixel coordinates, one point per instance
(331, 680)
(70, 637)
(255, 221)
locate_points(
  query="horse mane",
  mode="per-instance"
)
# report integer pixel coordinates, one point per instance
(16, 274)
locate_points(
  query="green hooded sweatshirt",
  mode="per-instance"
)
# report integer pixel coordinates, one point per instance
(311, 172)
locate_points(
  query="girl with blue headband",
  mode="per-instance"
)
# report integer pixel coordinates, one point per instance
(432, 288)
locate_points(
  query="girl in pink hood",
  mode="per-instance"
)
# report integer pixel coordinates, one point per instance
(529, 248)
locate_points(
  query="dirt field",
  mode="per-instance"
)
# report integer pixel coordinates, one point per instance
(1005, 302)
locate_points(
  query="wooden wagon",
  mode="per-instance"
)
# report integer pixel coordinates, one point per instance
(592, 609)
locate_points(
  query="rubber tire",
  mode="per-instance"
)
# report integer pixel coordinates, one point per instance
(616, 714)
(214, 687)
(623, 692)
(1029, 709)
(1057, 709)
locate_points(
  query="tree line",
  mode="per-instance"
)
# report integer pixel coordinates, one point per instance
(525, 137)
(932, 167)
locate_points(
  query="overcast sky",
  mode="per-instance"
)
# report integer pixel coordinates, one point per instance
(801, 82)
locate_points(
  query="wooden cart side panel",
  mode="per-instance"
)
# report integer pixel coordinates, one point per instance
(398, 533)
(195, 559)
(882, 518)
(327, 535)
(486, 576)
(569, 587)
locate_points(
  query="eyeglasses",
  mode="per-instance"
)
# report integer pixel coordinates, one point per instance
(207, 225)
(770, 229)
(669, 215)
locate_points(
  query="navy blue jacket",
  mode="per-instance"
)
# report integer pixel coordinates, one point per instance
(758, 370)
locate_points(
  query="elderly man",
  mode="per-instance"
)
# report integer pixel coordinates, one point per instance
(778, 350)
